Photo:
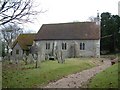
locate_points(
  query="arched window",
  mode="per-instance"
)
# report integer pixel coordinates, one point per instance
(47, 45)
(64, 46)
(82, 46)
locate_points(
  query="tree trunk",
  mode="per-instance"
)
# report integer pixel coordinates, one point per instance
(36, 64)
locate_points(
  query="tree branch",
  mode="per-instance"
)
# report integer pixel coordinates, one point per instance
(19, 11)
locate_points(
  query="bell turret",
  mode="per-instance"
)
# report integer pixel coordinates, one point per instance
(98, 18)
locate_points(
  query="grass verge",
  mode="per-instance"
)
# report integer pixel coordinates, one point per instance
(106, 79)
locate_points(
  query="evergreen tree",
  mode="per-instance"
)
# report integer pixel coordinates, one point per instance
(110, 32)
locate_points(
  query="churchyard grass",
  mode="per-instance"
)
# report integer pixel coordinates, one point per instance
(26, 76)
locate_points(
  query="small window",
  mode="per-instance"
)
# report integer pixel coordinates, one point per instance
(82, 46)
(53, 45)
(64, 46)
(47, 45)
(17, 51)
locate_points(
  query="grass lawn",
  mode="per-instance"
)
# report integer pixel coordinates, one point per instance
(106, 79)
(118, 56)
(26, 77)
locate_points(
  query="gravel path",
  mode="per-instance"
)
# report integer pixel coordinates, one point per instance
(78, 79)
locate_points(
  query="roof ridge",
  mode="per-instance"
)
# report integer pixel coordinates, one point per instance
(68, 23)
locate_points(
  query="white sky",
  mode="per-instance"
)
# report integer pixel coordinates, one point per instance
(62, 11)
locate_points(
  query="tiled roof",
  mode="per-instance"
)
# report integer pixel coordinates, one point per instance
(24, 40)
(69, 31)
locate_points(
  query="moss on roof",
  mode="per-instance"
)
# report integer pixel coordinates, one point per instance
(25, 40)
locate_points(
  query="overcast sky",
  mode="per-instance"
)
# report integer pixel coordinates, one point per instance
(62, 11)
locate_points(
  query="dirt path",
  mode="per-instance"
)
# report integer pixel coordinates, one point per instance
(78, 79)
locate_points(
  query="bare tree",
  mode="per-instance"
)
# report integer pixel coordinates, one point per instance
(62, 57)
(9, 34)
(74, 50)
(25, 58)
(34, 52)
(93, 19)
(59, 54)
(19, 11)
